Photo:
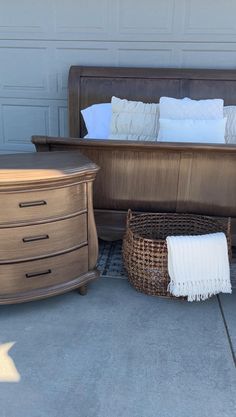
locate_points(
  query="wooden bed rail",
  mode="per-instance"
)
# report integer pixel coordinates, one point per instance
(48, 142)
(147, 176)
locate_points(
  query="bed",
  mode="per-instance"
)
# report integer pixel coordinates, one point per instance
(150, 176)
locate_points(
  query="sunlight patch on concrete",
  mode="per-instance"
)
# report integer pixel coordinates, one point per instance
(8, 371)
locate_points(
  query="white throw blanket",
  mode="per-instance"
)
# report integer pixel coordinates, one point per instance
(198, 266)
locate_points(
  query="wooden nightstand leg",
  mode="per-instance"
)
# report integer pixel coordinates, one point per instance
(83, 289)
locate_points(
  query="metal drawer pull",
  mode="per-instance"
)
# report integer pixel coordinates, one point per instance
(32, 203)
(37, 274)
(34, 238)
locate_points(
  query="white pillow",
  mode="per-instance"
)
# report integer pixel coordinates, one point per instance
(134, 120)
(172, 108)
(202, 131)
(97, 120)
(230, 131)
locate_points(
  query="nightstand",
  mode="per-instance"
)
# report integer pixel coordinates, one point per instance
(48, 238)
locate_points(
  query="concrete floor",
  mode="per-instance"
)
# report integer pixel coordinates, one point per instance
(119, 353)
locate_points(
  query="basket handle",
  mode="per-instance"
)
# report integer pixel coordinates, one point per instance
(129, 217)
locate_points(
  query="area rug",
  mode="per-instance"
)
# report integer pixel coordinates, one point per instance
(110, 262)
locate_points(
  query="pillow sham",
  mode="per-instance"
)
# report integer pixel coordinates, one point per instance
(230, 131)
(134, 120)
(186, 108)
(97, 119)
(201, 131)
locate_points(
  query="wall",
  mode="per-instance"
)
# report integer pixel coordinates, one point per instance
(39, 40)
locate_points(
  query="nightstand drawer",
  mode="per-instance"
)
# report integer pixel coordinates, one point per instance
(42, 205)
(35, 241)
(28, 276)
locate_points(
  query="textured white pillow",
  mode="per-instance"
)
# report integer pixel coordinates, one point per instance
(172, 108)
(230, 131)
(134, 120)
(201, 131)
(97, 120)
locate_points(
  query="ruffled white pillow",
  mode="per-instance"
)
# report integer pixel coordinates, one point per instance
(230, 131)
(134, 120)
(186, 120)
(186, 108)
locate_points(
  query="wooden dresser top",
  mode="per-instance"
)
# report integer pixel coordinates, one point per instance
(45, 166)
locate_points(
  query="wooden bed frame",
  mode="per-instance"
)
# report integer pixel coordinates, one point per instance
(151, 176)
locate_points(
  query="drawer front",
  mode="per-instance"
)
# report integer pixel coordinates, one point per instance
(26, 242)
(44, 273)
(40, 205)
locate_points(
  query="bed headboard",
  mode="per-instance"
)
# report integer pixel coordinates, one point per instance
(91, 85)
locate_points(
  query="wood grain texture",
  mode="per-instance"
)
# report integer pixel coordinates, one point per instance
(45, 239)
(20, 168)
(160, 177)
(208, 184)
(42, 240)
(147, 176)
(39, 293)
(41, 205)
(92, 232)
(25, 276)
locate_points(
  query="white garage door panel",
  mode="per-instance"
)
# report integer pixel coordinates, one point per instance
(63, 121)
(209, 16)
(19, 119)
(146, 16)
(39, 41)
(23, 68)
(22, 118)
(25, 16)
(87, 16)
(216, 58)
(152, 57)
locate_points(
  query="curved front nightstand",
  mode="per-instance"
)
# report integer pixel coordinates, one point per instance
(48, 238)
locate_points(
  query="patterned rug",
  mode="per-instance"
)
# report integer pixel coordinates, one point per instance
(110, 263)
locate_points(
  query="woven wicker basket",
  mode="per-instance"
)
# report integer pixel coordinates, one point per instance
(145, 249)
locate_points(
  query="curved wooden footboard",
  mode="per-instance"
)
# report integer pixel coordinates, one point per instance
(147, 176)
